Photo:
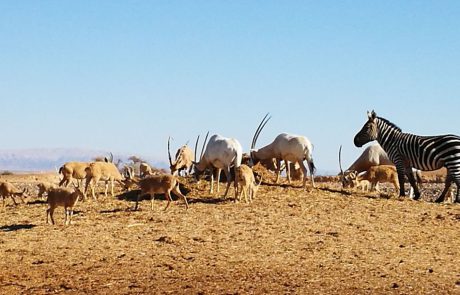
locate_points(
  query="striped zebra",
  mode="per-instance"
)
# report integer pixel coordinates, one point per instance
(409, 151)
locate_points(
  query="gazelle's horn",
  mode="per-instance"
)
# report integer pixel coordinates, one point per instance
(259, 129)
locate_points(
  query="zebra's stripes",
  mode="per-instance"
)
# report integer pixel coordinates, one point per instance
(409, 151)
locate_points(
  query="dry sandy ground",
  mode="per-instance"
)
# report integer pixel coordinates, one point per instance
(320, 241)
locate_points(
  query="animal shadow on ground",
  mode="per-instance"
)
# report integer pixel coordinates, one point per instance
(211, 200)
(131, 196)
(282, 185)
(340, 191)
(116, 210)
(15, 227)
(37, 202)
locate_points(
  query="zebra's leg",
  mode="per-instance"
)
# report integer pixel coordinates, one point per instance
(446, 188)
(412, 182)
(401, 176)
(401, 171)
(455, 198)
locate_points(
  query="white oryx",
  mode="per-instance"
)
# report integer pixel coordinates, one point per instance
(221, 153)
(286, 147)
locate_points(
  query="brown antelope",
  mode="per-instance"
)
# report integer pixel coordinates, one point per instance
(378, 174)
(72, 170)
(247, 183)
(286, 147)
(145, 169)
(156, 184)
(221, 153)
(44, 187)
(105, 171)
(64, 197)
(183, 161)
(372, 156)
(9, 190)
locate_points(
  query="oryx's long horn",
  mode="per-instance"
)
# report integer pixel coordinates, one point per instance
(204, 144)
(259, 129)
(196, 147)
(169, 151)
(342, 176)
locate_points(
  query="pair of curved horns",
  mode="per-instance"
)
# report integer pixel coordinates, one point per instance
(259, 129)
(202, 148)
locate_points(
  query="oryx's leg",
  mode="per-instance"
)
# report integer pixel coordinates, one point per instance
(229, 180)
(212, 180)
(304, 170)
(288, 170)
(218, 178)
(278, 170)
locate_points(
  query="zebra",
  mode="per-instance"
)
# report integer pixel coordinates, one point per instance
(409, 151)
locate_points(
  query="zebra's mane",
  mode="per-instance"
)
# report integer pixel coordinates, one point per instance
(390, 123)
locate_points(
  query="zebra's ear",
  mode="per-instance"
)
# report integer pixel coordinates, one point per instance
(371, 115)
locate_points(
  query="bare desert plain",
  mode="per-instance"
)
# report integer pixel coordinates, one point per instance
(322, 240)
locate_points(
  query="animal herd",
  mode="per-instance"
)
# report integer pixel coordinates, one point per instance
(398, 155)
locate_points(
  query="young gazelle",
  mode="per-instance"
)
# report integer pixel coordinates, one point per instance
(156, 184)
(64, 197)
(247, 183)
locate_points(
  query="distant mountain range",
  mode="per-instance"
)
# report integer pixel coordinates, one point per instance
(31, 160)
(49, 159)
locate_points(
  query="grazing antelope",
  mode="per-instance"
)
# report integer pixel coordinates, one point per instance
(247, 182)
(378, 174)
(286, 147)
(221, 153)
(145, 169)
(64, 197)
(106, 171)
(269, 164)
(72, 170)
(156, 184)
(9, 190)
(372, 156)
(44, 188)
(183, 161)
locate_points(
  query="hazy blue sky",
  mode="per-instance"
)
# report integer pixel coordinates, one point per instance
(124, 75)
